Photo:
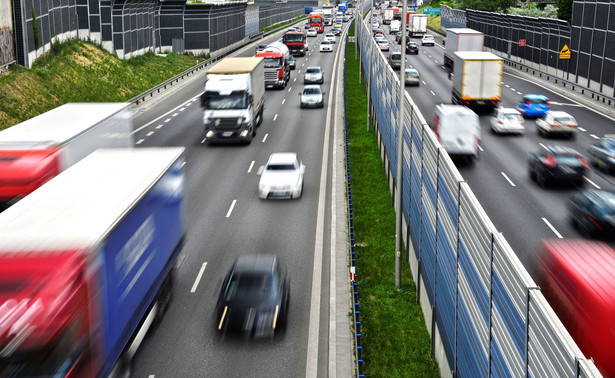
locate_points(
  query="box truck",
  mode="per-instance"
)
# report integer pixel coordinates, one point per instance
(34, 151)
(418, 25)
(477, 79)
(461, 39)
(86, 264)
(387, 16)
(234, 99)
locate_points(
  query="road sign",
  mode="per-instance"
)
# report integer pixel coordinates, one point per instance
(432, 11)
(522, 42)
(564, 53)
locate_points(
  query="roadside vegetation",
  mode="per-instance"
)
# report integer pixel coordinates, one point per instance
(78, 71)
(395, 340)
(280, 25)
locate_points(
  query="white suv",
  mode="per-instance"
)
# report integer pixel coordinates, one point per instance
(428, 39)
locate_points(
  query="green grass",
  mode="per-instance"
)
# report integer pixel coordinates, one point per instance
(280, 25)
(396, 342)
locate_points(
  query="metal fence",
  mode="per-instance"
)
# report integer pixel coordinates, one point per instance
(484, 312)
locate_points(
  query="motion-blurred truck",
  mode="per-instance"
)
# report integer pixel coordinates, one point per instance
(277, 70)
(234, 99)
(461, 39)
(86, 264)
(477, 79)
(36, 150)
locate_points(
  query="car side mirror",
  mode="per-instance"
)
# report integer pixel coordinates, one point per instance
(260, 170)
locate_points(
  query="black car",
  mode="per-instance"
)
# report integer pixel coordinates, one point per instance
(557, 164)
(254, 297)
(602, 153)
(292, 63)
(412, 48)
(592, 211)
(398, 38)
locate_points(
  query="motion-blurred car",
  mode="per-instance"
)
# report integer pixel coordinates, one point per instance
(336, 30)
(254, 297)
(292, 63)
(312, 33)
(395, 60)
(326, 46)
(602, 153)
(313, 75)
(329, 37)
(428, 39)
(507, 120)
(282, 176)
(592, 211)
(412, 48)
(383, 44)
(312, 96)
(533, 105)
(412, 77)
(556, 122)
(561, 164)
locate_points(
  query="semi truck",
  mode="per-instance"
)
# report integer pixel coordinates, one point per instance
(461, 39)
(34, 151)
(418, 25)
(327, 16)
(277, 70)
(296, 42)
(234, 99)
(477, 79)
(86, 264)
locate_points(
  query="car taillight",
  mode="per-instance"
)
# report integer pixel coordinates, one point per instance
(550, 161)
(547, 103)
(500, 122)
(528, 102)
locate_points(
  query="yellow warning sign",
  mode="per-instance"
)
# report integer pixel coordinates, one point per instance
(564, 53)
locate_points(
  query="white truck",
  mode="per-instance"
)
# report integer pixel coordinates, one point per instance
(477, 79)
(234, 99)
(395, 27)
(327, 16)
(387, 16)
(461, 39)
(36, 150)
(418, 26)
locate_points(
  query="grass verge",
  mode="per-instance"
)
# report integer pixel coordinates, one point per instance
(396, 342)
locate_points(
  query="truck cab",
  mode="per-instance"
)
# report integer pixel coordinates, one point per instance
(296, 43)
(277, 71)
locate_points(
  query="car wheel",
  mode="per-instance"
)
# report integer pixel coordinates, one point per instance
(532, 174)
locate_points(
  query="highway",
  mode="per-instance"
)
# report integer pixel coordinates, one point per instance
(524, 212)
(225, 219)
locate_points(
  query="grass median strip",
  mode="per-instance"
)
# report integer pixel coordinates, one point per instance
(396, 342)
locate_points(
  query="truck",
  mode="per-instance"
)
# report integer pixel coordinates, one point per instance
(234, 99)
(461, 39)
(418, 27)
(342, 6)
(387, 16)
(327, 16)
(395, 27)
(277, 70)
(87, 264)
(396, 13)
(477, 79)
(296, 42)
(316, 21)
(34, 151)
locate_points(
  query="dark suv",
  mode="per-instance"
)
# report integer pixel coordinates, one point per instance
(412, 48)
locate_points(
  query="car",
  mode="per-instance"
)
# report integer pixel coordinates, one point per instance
(307, 25)
(412, 77)
(282, 176)
(312, 33)
(556, 122)
(375, 25)
(336, 30)
(254, 297)
(346, 18)
(428, 39)
(557, 164)
(412, 48)
(395, 60)
(398, 38)
(378, 31)
(293, 29)
(507, 120)
(458, 130)
(380, 37)
(313, 75)
(292, 64)
(312, 96)
(592, 211)
(533, 105)
(602, 153)
(326, 46)
(383, 44)
(261, 47)
(329, 37)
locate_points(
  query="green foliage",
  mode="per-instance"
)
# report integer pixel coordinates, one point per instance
(487, 5)
(280, 25)
(35, 30)
(533, 10)
(564, 9)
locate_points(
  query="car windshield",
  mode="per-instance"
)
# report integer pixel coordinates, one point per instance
(512, 116)
(312, 70)
(308, 91)
(250, 286)
(272, 62)
(293, 37)
(325, 43)
(234, 100)
(570, 160)
(281, 166)
(412, 74)
(564, 120)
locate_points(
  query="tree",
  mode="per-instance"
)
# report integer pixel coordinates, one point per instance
(564, 9)
(487, 5)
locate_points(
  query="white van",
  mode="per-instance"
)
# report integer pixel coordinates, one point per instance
(458, 130)
(395, 27)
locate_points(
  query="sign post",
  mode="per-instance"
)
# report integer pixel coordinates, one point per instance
(564, 52)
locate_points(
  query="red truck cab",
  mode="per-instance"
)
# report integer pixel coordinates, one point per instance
(277, 71)
(296, 42)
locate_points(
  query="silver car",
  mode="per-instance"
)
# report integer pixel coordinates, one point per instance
(312, 97)
(281, 177)
(507, 120)
(313, 75)
(412, 77)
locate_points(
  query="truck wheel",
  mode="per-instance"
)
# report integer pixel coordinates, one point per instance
(260, 118)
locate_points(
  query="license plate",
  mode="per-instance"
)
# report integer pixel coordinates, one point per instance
(227, 133)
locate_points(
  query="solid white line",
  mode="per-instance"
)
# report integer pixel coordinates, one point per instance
(174, 114)
(150, 133)
(251, 165)
(582, 129)
(198, 277)
(159, 127)
(187, 103)
(283, 101)
(275, 117)
(594, 136)
(140, 141)
(332, 268)
(591, 182)
(552, 228)
(507, 179)
(265, 137)
(231, 209)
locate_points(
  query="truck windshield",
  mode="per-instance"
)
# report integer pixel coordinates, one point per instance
(234, 100)
(272, 62)
(293, 37)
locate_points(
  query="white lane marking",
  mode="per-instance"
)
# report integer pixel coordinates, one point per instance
(251, 166)
(275, 117)
(187, 103)
(159, 127)
(552, 228)
(435, 61)
(519, 93)
(295, 79)
(543, 146)
(564, 104)
(182, 164)
(182, 109)
(174, 114)
(512, 89)
(594, 136)
(432, 93)
(150, 133)
(424, 83)
(591, 182)
(151, 376)
(167, 120)
(283, 101)
(289, 88)
(582, 129)
(299, 71)
(507, 86)
(198, 277)
(228, 214)
(140, 141)
(265, 137)
(203, 141)
(480, 148)
(507, 179)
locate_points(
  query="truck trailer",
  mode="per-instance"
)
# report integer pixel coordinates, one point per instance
(387, 16)
(234, 99)
(418, 26)
(477, 79)
(461, 39)
(34, 151)
(277, 70)
(86, 264)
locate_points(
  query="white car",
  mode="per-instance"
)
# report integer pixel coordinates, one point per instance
(281, 177)
(428, 39)
(329, 37)
(326, 46)
(557, 122)
(375, 25)
(312, 33)
(507, 120)
(383, 44)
